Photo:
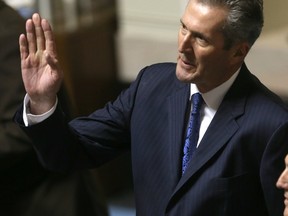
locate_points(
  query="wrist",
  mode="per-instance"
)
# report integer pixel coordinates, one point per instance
(42, 106)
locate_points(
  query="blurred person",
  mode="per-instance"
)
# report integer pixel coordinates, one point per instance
(282, 183)
(26, 188)
(238, 150)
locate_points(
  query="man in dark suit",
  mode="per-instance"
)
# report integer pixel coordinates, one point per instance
(242, 137)
(26, 188)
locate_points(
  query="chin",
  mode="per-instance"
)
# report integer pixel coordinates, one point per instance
(184, 76)
(285, 213)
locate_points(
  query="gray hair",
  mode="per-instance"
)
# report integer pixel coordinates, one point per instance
(244, 21)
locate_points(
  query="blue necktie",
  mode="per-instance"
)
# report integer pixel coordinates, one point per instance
(192, 130)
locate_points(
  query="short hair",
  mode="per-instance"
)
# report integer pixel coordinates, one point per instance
(244, 22)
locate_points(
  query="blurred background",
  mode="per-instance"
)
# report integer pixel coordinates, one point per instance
(121, 37)
(103, 44)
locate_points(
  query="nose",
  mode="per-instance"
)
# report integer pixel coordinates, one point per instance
(185, 43)
(282, 181)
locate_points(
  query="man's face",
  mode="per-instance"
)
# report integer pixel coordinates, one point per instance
(202, 59)
(283, 184)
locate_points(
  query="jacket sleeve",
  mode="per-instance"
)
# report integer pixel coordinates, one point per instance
(85, 142)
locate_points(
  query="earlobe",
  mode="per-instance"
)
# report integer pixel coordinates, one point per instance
(242, 50)
(238, 53)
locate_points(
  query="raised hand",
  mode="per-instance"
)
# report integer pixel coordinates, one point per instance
(41, 72)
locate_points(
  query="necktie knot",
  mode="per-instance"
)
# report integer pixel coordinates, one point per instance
(197, 101)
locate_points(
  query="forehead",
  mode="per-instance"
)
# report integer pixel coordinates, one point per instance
(204, 18)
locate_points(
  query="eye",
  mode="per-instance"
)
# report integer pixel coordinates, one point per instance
(202, 41)
(183, 28)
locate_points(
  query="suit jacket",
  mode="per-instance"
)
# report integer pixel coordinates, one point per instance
(233, 172)
(26, 188)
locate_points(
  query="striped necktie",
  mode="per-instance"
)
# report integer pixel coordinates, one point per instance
(192, 134)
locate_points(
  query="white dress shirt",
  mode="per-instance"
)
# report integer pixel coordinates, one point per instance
(30, 119)
(212, 101)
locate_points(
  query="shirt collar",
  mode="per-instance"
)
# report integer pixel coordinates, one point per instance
(214, 97)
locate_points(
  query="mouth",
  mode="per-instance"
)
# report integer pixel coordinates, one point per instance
(286, 198)
(186, 63)
(286, 202)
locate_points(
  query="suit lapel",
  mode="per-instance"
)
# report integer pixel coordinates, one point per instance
(215, 138)
(177, 105)
(221, 129)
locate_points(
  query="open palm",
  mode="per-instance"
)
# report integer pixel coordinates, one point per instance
(41, 73)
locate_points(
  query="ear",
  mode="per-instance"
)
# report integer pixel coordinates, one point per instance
(241, 50)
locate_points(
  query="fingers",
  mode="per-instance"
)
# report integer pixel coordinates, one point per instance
(31, 37)
(49, 38)
(39, 35)
(23, 46)
(40, 40)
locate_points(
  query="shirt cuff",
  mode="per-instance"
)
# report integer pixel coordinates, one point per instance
(30, 119)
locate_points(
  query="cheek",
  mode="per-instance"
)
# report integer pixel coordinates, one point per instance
(205, 54)
(213, 60)
(205, 60)
(212, 66)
